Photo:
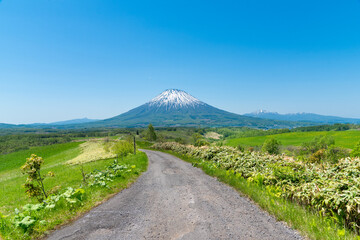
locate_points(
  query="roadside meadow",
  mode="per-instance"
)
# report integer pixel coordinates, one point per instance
(273, 167)
(72, 188)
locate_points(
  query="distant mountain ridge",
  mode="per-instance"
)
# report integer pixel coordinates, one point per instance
(175, 107)
(43, 125)
(172, 108)
(74, 121)
(301, 117)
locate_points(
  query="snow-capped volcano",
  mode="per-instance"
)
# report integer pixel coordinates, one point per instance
(175, 99)
(175, 107)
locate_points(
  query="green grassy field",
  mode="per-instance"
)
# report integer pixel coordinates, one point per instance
(346, 139)
(12, 194)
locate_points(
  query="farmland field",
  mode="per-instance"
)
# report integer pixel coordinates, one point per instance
(91, 151)
(346, 139)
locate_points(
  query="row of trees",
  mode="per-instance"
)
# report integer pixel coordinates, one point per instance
(13, 143)
(16, 142)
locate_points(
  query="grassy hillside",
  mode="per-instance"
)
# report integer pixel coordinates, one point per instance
(346, 139)
(49, 153)
(13, 196)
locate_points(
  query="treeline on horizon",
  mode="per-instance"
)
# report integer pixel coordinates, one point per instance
(233, 132)
(22, 139)
(12, 141)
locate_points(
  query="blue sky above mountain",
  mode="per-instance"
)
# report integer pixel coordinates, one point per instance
(68, 59)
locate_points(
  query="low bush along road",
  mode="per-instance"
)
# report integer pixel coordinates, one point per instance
(174, 200)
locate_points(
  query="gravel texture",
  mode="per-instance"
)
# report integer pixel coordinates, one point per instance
(174, 200)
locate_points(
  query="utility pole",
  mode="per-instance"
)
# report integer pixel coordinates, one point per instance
(134, 142)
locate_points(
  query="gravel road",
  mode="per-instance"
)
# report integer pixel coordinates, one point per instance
(174, 200)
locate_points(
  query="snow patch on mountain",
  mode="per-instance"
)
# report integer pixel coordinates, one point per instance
(174, 98)
(302, 117)
(262, 111)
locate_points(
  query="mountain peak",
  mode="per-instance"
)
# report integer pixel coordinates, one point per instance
(175, 98)
(261, 111)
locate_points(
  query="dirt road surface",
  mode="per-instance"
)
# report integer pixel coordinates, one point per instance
(174, 200)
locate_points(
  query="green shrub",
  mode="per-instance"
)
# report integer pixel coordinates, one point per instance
(334, 154)
(240, 148)
(122, 148)
(356, 151)
(318, 143)
(317, 156)
(271, 146)
(201, 142)
(34, 184)
(180, 140)
(150, 134)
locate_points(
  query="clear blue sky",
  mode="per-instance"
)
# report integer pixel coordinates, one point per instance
(64, 59)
